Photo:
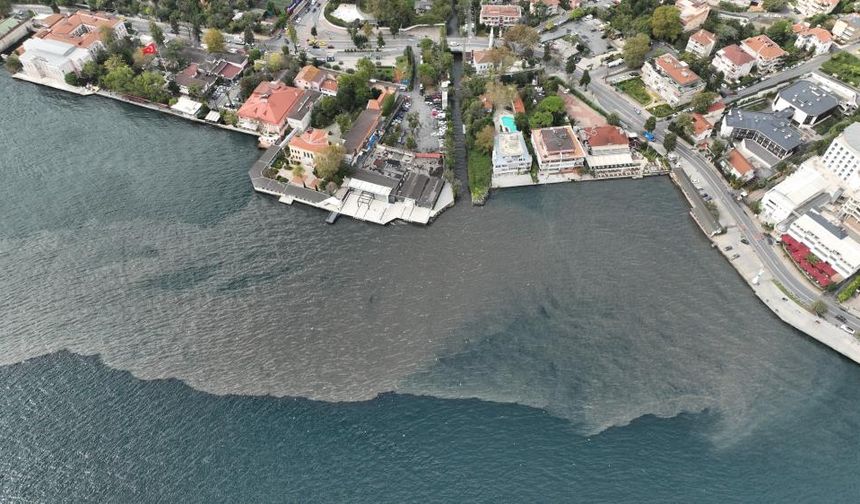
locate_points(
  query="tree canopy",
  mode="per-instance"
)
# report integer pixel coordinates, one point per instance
(635, 50)
(214, 40)
(666, 23)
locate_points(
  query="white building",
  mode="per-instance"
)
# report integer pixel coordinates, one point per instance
(500, 15)
(51, 59)
(846, 95)
(733, 62)
(767, 53)
(693, 13)
(817, 40)
(806, 185)
(701, 43)
(607, 148)
(557, 149)
(482, 60)
(842, 158)
(828, 241)
(847, 28)
(510, 154)
(809, 8)
(672, 79)
(810, 103)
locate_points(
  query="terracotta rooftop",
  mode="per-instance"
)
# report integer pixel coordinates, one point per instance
(820, 33)
(270, 103)
(80, 29)
(739, 162)
(481, 56)
(517, 105)
(310, 73)
(704, 37)
(700, 124)
(765, 47)
(601, 136)
(736, 55)
(329, 85)
(501, 10)
(313, 140)
(678, 71)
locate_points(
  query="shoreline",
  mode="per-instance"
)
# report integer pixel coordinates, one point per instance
(763, 285)
(143, 104)
(766, 288)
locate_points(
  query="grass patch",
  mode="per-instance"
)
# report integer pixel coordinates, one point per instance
(635, 88)
(480, 175)
(848, 290)
(843, 66)
(662, 110)
(824, 126)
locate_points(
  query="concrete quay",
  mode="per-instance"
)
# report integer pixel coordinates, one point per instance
(765, 286)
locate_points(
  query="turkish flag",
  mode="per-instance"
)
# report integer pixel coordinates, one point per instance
(150, 48)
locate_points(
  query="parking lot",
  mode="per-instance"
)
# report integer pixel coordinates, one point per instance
(427, 133)
(587, 30)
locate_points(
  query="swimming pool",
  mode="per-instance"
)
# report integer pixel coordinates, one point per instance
(508, 123)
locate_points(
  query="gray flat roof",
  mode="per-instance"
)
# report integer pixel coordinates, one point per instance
(775, 126)
(413, 185)
(304, 105)
(375, 178)
(431, 192)
(809, 98)
(826, 224)
(361, 130)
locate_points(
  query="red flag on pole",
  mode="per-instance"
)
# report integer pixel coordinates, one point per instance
(150, 48)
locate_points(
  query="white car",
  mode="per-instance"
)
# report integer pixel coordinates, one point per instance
(847, 329)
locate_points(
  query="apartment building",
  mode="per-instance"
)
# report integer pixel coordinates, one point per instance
(701, 43)
(510, 154)
(557, 149)
(767, 53)
(733, 62)
(500, 15)
(672, 79)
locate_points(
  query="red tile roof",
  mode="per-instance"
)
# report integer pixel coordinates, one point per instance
(518, 106)
(739, 162)
(704, 37)
(601, 136)
(81, 29)
(736, 55)
(678, 71)
(765, 47)
(270, 103)
(312, 140)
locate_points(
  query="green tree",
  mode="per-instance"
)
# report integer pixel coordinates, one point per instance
(635, 50)
(650, 123)
(71, 79)
(702, 101)
(293, 36)
(388, 105)
(585, 80)
(394, 27)
(522, 122)
(540, 119)
(780, 31)
(5, 8)
(717, 148)
(670, 141)
(410, 142)
(485, 138)
(613, 119)
(275, 62)
(774, 5)
(570, 64)
(157, 34)
(380, 41)
(248, 35)
(328, 161)
(214, 40)
(314, 31)
(819, 308)
(522, 35)
(666, 23)
(13, 63)
(427, 74)
(684, 123)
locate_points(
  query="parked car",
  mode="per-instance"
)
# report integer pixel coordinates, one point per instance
(847, 329)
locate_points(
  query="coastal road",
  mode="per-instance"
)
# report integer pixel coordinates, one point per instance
(733, 212)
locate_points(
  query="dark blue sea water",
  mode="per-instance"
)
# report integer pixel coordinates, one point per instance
(167, 335)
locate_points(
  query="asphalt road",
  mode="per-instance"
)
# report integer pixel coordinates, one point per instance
(768, 254)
